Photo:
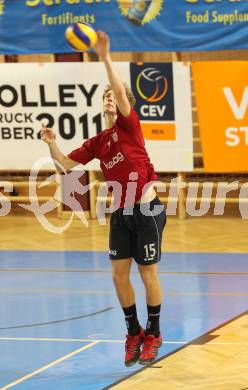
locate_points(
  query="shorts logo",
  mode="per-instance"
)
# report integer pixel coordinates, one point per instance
(112, 252)
(119, 157)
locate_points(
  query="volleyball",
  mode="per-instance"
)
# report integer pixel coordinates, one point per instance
(81, 36)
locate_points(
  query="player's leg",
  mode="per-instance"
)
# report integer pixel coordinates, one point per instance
(148, 252)
(121, 278)
(149, 276)
(120, 244)
(125, 292)
(153, 339)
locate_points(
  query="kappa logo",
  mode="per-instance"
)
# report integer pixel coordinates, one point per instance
(119, 157)
(113, 252)
(115, 137)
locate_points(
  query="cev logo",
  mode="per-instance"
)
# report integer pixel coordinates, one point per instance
(158, 81)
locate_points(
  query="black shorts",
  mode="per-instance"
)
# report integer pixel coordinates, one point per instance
(137, 236)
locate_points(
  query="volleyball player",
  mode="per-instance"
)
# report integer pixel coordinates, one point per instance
(134, 234)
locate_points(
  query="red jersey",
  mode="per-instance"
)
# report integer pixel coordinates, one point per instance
(121, 151)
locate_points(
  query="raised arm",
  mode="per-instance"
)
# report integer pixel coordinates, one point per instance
(102, 49)
(48, 136)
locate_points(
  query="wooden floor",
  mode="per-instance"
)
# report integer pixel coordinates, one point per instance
(213, 234)
(218, 364)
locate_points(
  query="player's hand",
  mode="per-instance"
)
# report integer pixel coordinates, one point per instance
(102, 46)
(47, 135)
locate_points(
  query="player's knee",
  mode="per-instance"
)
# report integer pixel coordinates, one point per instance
(120, 278)
(149, 275)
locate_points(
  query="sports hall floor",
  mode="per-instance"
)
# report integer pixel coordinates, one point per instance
(61, 327)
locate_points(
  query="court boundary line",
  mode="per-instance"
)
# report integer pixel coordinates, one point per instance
(47, 366)
(195, 341)
(75, 340)
(106, 341)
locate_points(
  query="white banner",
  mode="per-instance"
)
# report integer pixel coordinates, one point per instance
(68, 98)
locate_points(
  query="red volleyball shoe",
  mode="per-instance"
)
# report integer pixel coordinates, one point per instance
(132, 347)
(150, 349)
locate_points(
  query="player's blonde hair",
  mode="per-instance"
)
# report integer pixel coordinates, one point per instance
(129, 93)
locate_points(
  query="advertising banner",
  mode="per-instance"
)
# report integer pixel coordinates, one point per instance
(38, 26)
(68, 98)
(222, 103)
